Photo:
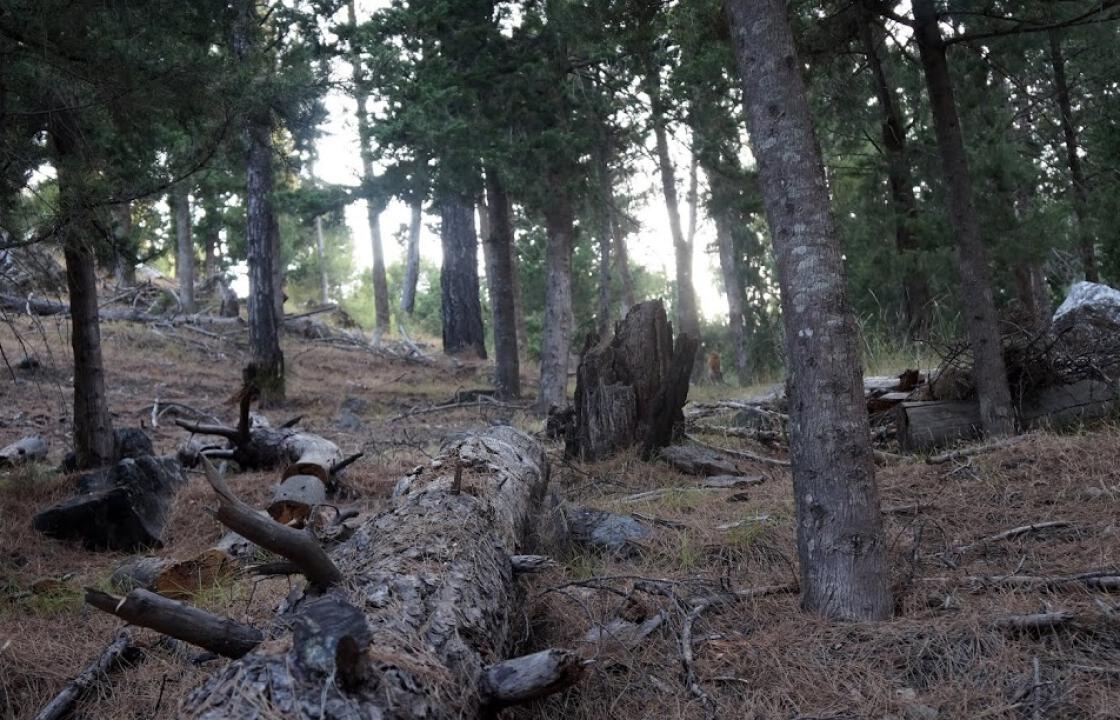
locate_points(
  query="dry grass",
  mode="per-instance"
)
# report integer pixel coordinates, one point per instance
(759, 658)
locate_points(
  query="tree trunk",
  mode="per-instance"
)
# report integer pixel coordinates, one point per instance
(622, 264)
(916, 295)
(429, 599)
(688, 322)
(462, 311)
(267, 366)
(380, 283)
(518, 301)
(124, 253)
(498, 243)
(93, 429)
(733, 286)
(321, 252)
(840, 541)
(211, 237)
(373, 206)
(184, 263)
(977, 302)
(1073, 160)
(556, 333)
(603, 229)
(412, 259)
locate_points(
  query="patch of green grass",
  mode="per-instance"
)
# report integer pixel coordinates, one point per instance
(689, 556)
(582, 565)
(28, 475)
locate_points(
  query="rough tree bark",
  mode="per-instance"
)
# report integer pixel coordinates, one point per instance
(184, 259)
(688, 321)
(462, 311)
(425, 598)
(373, 206)
(124, 261)
(498, 245)
(627, 388)
(1073, 160)
(93, 429)
(915, 288)
(412, 258)
(841, 546)
(556, 334)
(321, 254)
(267, 365)
(211, 235)
(733, 286)
(977, 302)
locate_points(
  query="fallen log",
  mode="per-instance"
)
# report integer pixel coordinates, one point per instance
(260, 446)
(117, 653)
(695, 460)
(219, 635)
(926, 425)
(295, 498)
(424, 614)
(741, 454)
(26, 450)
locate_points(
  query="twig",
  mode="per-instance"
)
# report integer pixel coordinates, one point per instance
(204, 429)
(342, 464)
(1035, 622)
(687, 661)
(1016, 532)
(476, 403)
(119, 651)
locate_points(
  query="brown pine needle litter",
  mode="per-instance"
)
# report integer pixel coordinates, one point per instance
(695, 622)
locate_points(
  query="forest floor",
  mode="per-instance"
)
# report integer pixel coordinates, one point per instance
(942, 656)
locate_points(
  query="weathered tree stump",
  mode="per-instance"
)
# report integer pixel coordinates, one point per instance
(631, 389)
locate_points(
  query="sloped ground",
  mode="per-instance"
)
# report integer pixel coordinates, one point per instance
(753, 658)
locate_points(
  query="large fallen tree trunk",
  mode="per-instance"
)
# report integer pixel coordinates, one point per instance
(927, 425)
(423, 609)
(631, 389)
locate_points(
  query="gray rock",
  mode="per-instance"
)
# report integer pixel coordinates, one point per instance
(604, 530)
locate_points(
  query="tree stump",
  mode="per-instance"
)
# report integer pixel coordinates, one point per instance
(631, 389)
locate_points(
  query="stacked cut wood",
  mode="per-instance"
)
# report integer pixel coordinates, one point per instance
(630, 389)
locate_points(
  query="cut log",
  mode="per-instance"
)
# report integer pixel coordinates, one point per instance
(696, 460)
(428, 602)
(29, 449)
(604, 531)
(219, 635)
(630, 389)
(124, 507)
(295, 498)
(119, 652)
(924, 426)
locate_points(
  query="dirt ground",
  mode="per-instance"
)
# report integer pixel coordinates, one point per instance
(942, 656)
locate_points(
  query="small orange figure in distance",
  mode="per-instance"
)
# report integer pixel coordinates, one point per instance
(715, 373)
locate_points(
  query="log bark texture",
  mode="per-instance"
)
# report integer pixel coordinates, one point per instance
(428, 603)
(631, 389)
(498, 246)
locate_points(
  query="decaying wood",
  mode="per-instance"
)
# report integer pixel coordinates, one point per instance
(630, 389)
(28, 449)
(1036, 622)
(119, 652)
(523, 564)
(740, 454)
(174, 578)
(529, 677)
(223, 636)
(928, 425)
(695, 460)
(298, 546)
(428, 602)
(295, 498)
(975, 450)
(257, 445)
(1016, 532)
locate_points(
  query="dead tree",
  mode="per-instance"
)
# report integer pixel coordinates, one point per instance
(631, 389)
(409, 618)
